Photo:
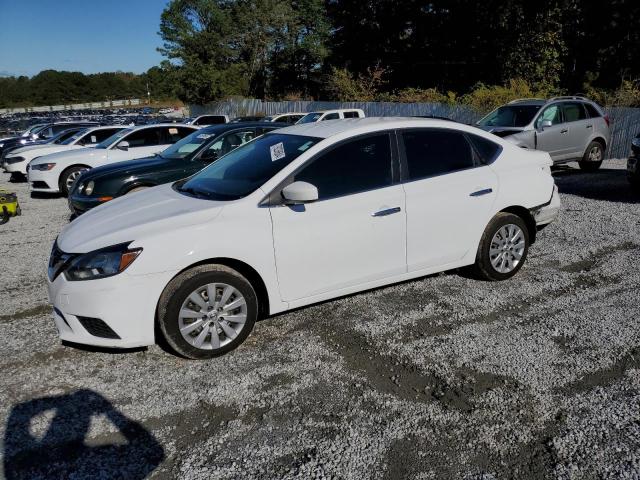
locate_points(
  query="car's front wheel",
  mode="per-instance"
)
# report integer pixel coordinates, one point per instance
(592, 159)
(503, 248)
(68, 178)
(207, 311)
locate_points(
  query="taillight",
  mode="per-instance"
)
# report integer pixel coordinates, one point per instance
(606, 119)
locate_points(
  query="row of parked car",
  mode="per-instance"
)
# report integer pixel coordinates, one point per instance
(250, 219)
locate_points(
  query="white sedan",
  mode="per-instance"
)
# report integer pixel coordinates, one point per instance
(17, 160)
(298, 216)
(56, 173)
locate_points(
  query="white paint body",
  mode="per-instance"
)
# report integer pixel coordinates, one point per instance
(29, 153)
(90, 157)
(328, 249)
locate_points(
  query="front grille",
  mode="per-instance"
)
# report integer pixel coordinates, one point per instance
(39, 184)
(58, 261)
(12, 160)
(97, 328)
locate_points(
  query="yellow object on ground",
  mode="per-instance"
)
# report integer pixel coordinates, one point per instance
(9, 206)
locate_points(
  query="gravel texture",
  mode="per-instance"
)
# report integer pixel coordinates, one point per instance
(443, 377)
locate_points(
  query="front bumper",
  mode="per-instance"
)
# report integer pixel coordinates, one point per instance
(125, 303)
(15, 165)
(43, 180)
(547, 213)
(79, 204)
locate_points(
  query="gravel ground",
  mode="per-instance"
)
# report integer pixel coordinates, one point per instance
(443, 377)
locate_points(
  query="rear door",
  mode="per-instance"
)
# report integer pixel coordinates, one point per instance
(450, 194)
(579, 125)
(354, 233)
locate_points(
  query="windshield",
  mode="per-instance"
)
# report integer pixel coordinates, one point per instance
(310, 117)
(107, 142)
(187, 145)
(510, 116)
(246, 168)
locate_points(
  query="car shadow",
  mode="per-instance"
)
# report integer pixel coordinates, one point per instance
(604, 184)
(48, 438)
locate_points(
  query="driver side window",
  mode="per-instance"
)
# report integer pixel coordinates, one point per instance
(228, 143)
(551, 113)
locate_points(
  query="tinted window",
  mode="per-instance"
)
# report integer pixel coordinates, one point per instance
(351, 115)
(573, 112)
(245, 169)
(210, 120)
(435, 152)
(174, 134)
(116, 137)
(552, 114)
(310, 117)
(331, 116)
(487, 150)
(592, 111)
(64, 136)
(510, 116)
(356, 166)
(228, 143)
(146, 137)
(96, 136)
(292, 118)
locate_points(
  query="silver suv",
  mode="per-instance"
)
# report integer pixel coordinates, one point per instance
(569, 128)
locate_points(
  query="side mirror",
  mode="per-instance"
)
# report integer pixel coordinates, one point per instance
(123, 145)
(300, 192)
(545, 124)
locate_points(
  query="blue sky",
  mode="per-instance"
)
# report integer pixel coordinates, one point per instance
(79, 35)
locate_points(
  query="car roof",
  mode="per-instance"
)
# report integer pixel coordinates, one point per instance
(330, 128)
(334, 110)
(223, 127)
(154, 125)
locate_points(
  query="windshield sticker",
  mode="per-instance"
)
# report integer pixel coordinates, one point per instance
(93, 139)
(173, 131)
(277, 151)
(204, 136)
(304, 146)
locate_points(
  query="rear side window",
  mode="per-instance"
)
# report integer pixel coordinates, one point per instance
(147, 137)
(436, 152)
(573, 112)
(487, 150)
(351, 115)
(592, 111)
(97, 136)
(357, 166)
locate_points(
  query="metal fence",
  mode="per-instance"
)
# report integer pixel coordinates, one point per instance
(75, 106)
(625, 122)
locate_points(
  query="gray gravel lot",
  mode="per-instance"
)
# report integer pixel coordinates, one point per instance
(443, 377)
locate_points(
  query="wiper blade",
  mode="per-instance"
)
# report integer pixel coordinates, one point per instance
(194, 192)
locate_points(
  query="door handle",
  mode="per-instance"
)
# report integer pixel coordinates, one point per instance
(589, 126)
(479, 193)
(565, 130)
(386, 211)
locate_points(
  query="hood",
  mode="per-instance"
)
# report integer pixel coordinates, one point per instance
(77, 154)
(41, 150)
(501, 131)
(135, 217)
(130, 167)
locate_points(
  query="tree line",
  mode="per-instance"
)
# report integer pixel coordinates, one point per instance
(380, 49)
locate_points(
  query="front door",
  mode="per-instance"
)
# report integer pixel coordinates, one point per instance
(354, 233)
(554, 139)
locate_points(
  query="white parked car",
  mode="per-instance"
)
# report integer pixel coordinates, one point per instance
(290, 117)
(297, 216)
(17, 160)
(56, 172)
(332, 115)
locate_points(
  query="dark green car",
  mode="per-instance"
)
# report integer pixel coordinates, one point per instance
(182, 159)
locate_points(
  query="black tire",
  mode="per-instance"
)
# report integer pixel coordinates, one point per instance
(483, 268)
(181, 287)
(65, 176)
(589, 165)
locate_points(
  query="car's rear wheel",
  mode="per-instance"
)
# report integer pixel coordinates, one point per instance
(503, 248)
(593, 157)
(68, 177)
(207, 311)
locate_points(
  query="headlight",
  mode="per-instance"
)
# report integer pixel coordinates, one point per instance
(89, 188)
(43, 166)
(636, 142)
(102, 263)
(1, 145)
